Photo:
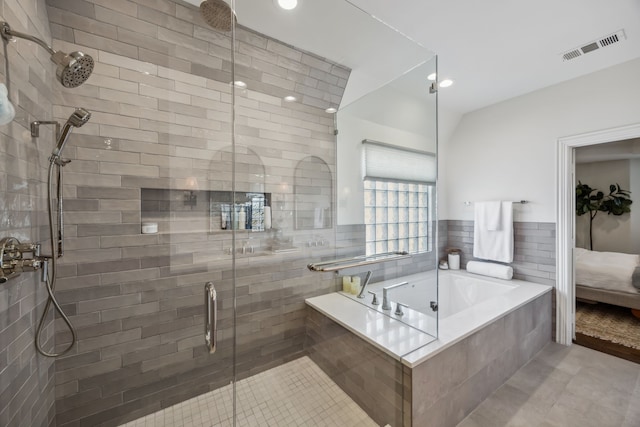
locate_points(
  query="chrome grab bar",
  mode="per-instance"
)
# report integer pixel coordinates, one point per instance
(339, 264)
(210, 317)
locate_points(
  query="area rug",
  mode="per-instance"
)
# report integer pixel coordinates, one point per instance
(609, 323)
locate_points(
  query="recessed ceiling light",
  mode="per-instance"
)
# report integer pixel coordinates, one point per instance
(446, 83)
(287, 4)
(431, 77)
(240, 84)
(331, 110)
(290, 98)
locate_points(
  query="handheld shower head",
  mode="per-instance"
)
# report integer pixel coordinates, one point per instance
(73, 68)
(77, 119)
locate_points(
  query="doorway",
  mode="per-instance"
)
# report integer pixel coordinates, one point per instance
(566, 240)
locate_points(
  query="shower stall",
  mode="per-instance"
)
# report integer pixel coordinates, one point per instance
(224, 154)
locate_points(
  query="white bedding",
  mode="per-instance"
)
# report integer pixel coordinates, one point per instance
(606, 270)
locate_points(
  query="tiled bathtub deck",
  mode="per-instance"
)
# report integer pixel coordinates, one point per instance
(294, 394)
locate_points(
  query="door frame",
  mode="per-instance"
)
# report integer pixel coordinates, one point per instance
(565, 241)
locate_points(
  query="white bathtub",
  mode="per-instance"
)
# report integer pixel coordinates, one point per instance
(459, 291)
(466, 303)
(455, 291)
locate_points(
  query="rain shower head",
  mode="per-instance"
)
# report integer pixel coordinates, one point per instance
(77, 119)
(73, 68)
(218, 14)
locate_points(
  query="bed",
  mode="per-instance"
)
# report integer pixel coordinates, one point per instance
(609, 277)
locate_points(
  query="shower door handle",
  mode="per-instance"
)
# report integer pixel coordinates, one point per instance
(210, 317)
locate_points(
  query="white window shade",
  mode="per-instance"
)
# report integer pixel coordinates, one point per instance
(390, 162)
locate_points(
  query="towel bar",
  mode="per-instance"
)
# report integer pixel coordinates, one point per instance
(339, 264)
(522, 202)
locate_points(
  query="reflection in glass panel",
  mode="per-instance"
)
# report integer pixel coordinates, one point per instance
(399, 116)
(313, 192)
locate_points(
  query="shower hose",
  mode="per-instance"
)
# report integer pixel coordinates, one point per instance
(50, 277)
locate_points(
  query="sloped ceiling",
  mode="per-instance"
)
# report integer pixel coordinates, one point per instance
(494, 49)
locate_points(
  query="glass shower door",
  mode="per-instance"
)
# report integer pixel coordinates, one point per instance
(148, 176)
(288, 203)
(191, 202)
(284, 186)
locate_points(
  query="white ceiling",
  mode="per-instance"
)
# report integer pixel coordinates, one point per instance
(493, 49)
(618, 150)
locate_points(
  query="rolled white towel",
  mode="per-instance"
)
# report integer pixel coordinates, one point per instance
(490, 269)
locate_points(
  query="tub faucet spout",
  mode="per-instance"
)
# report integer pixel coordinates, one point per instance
(364, 285)
(385, 291)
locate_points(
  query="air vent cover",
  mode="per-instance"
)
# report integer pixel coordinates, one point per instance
(602, 42)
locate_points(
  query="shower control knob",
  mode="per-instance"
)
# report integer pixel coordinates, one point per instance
(29, 247)
(17, 257)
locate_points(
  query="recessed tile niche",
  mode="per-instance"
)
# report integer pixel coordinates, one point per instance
(204, 211)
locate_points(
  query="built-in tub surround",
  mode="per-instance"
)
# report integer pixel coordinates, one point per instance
(534, 257)
(370, 376)
(455, 378)
(449, 292)
(477, 349)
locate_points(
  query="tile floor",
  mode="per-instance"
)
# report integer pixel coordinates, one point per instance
(561, 387)
(295, 394)
(565, 387)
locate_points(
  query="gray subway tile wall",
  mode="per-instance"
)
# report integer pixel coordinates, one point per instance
(372, 378)
(455, 381)
(350, 241)
(27, 395)
(161, 102)
(534, 248)
(441, 390)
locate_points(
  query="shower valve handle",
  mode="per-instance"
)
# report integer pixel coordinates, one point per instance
(399, 306)
(375, 298)
(17, 257)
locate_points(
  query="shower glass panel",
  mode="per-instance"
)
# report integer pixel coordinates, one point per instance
(289, 83)
(391, 199)
(151, 218)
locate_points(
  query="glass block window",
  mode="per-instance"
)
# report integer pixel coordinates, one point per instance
(397, 216)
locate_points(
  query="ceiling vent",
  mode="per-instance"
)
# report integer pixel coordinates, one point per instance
(602, 42)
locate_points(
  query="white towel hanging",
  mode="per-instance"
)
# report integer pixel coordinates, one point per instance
(493, 237)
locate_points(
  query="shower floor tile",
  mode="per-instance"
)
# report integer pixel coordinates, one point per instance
(295, 394)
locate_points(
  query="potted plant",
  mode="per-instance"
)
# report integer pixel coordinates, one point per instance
(590, 200)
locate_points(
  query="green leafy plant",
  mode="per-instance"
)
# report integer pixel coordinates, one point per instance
(590, 200)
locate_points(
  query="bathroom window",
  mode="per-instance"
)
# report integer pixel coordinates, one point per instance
(398, 216)
(399, 185)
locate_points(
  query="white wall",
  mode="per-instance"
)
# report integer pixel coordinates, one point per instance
(634, 187)
(610, 233)
(393, 114)
(508, 150)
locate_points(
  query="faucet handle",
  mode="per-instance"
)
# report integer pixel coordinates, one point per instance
(375, 298)
(399, 306)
